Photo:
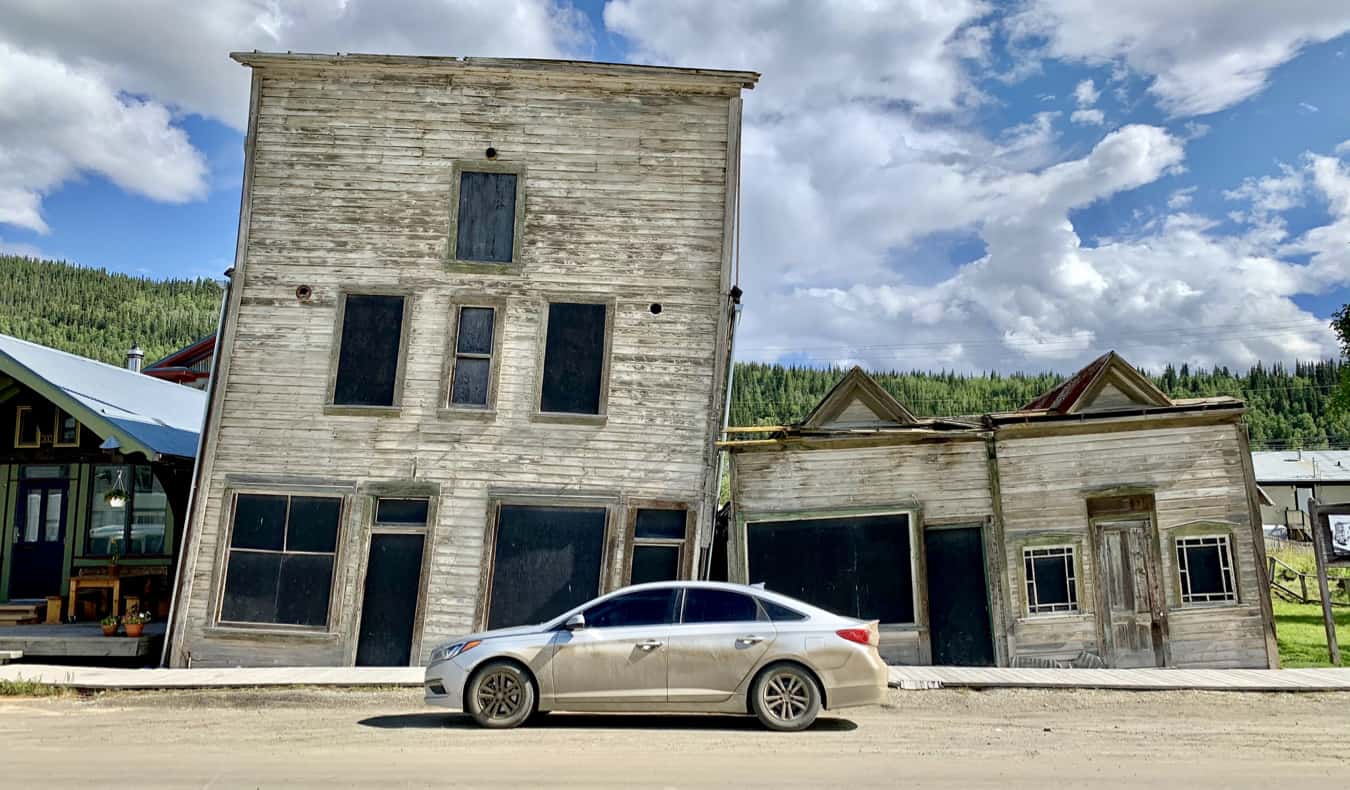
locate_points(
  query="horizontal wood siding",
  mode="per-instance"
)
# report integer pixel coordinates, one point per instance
(1195, 474)
(625, 201)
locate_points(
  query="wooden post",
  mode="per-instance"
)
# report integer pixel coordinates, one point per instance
(1320, 553)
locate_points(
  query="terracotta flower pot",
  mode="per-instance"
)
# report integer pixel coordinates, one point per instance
(110, 630)
(134, 629)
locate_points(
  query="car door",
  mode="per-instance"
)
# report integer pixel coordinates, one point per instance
(719, 640)
(619, 657)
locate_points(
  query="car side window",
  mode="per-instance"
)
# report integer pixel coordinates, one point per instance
(780, 614)
(719, 606)
(644, 607)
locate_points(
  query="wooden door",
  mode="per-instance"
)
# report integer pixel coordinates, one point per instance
(958, 598)
(37, 568)
(1127, 595)
(389, 607)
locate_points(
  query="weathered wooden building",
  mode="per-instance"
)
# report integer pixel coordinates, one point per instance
(1102, 524)
(474, 359)
(95, 466)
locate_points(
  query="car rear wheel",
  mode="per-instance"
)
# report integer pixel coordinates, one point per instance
(500, 695)
(785, 698)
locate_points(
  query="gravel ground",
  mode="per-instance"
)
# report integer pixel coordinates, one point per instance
(957, 738)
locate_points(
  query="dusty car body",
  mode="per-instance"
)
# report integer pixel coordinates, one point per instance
(666, 647)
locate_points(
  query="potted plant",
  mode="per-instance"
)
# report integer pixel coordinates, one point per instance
(134, 623)
(109, 625)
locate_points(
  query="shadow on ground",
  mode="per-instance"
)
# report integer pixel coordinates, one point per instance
(574, 721)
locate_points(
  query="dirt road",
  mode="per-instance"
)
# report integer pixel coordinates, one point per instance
(967, 739)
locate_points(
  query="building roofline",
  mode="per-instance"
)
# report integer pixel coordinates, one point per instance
(257, 59)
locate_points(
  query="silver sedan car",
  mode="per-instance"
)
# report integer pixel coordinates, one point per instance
(702, 647)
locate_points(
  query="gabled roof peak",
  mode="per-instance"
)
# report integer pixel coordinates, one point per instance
(1105, 383)
(857, 401)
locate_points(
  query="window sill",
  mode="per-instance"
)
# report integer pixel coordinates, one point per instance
(237, 631)
(362, 411)
(465, 413)
(1206, 606)
(482, 267)
(566, 418)
(1055, 617)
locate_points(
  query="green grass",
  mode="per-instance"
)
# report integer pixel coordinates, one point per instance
(30, 688)
(1302, 637)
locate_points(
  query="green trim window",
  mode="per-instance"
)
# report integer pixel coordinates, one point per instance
(129, 513)
(1205, 570)
(27, 430)
(1052, 580)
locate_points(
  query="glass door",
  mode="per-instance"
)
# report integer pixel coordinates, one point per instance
(36, 570)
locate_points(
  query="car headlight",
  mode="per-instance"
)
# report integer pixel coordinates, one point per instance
(450, 651)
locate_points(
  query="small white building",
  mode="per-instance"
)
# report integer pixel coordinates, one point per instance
(1290, 478)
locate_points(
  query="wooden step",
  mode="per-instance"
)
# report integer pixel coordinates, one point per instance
(22, 612)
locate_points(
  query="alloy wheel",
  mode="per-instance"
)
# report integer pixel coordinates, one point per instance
(786, 697)
(500, 695)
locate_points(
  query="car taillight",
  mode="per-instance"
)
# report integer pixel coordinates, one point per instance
(863, 635)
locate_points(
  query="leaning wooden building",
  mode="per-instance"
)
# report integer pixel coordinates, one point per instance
(474, 359)
(1104, 524)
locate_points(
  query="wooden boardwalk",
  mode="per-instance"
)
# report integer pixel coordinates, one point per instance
(917, 678)
(229, 677)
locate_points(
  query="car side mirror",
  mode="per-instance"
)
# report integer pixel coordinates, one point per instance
(575, 623)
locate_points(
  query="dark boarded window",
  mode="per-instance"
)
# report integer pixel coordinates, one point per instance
(574, 359)
(858, 567)
(469, 381)
(546, 560)
(486, 226)
(407, 512)
(718, 606)
(658, 544)
(367, 373)
(280, 565)
(645, 607)
(1052, 580)
(1205, 568)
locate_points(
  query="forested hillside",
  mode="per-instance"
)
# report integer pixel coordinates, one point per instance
(99, 314)
(1286, 408)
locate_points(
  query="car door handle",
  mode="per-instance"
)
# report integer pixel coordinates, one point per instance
(649, 645)
(747, 641)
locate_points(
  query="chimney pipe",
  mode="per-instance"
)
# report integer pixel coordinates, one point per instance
(135, 356)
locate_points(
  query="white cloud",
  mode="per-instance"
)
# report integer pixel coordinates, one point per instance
(1086, 93)
(1200, 56)
(1181, 198)
(57, 122)
(1093, 117)
(1306, 107)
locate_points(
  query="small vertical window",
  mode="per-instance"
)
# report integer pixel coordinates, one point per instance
(471, 374)
(1205, 570)
(485, 217)
(67, 430)
(27, 431)
(1052, 580)
(658, 546)
(574, 359)
(368, 351)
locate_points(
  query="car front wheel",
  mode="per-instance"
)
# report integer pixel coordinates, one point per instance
(500, 695)
(785, 698)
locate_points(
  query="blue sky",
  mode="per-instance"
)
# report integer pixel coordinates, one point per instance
(977, 185)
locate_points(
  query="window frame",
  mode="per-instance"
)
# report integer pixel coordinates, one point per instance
(1226, 553)
(19, 412)
(488, 411)
(335, 352)
(631, 542)
(1073, 582)
(457, 170)
(601, 415)
(495, 501)
(219, 626)
(129, 510)
(56, 428)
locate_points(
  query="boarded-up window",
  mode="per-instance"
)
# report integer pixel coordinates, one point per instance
(659, 543)
(486, 224)
(1205, 570)
(367, 368)
(471, 377)
(858, 566)
(280, 565)
(1052, 580)
(574, 359)
(546, 560)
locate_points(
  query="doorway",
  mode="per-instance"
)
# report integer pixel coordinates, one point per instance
(958, 597)
(1128, 595)
(389, 606)
(38, 563)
